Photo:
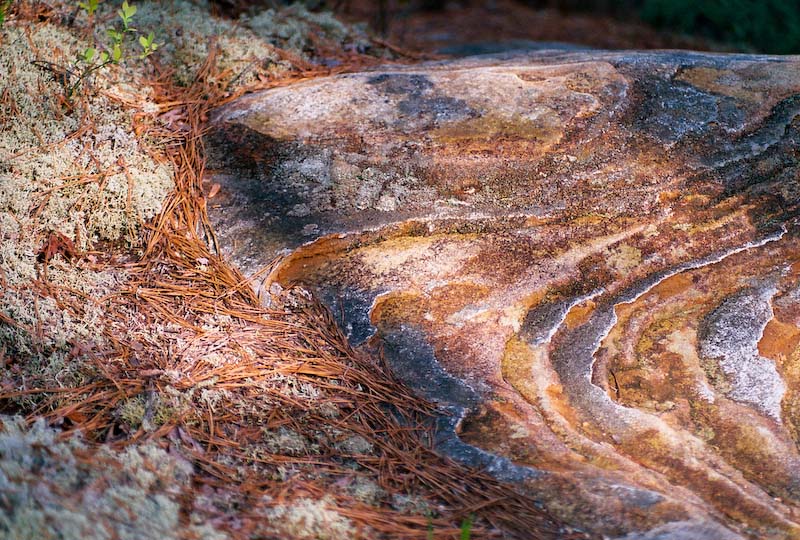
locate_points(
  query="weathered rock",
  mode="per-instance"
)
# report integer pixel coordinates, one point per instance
(591, 258)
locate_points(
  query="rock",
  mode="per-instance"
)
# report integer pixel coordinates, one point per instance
(591, 258)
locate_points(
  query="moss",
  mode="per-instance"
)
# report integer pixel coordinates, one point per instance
(326, 409)
(354, 445)
(147, 411)
(411, 504)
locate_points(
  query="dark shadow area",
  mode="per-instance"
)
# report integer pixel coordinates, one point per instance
(465, 27)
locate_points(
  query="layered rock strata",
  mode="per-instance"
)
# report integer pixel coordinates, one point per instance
(589, 260)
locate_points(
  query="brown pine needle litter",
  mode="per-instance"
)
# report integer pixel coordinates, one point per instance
(271, 406)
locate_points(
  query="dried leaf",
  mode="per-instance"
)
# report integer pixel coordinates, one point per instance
(56, 244)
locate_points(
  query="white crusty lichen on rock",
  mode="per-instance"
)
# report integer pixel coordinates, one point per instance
(730, 338)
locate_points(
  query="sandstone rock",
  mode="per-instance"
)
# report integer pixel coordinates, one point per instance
(590, 258)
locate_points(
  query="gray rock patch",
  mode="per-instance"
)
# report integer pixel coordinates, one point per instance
(731, 335)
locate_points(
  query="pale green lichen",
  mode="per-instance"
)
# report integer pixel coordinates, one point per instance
(46, 164)
(310, 519)
(366, 491)
(98, 185)
(296, 388)
(63, 489)
(186, 31)
(287, 442)
(246, 48)
(292, 27)
(148, 411)
(89, 185)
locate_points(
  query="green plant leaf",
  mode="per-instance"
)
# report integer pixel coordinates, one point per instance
(466, 527)
(4, 5)
(103, 57)
(148, 47)
(115, 35)
(116, 53)
(127, 12)
(90, 6)
(88, 54)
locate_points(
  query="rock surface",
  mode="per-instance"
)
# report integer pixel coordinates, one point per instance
(591, 259)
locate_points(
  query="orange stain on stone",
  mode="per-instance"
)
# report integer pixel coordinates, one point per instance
(580, 314)
(780, 340)
(674, 285)
(669, 196)
(560, 404)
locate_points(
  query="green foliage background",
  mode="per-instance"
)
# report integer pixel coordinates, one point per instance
(4, 5)
(769, 26)
(764, 26)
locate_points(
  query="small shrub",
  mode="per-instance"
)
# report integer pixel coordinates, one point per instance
(94, 58)
(90, 6)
